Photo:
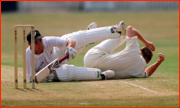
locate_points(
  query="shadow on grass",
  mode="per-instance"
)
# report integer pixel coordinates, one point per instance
(28, 89)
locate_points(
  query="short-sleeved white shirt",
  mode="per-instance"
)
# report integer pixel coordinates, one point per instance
(127, 63)
(48, 55)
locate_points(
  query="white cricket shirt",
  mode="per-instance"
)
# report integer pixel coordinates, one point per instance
(48, 55)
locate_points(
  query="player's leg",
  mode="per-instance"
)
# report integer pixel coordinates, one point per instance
(72, 73)
(103, 33)
(86, 37)
(110, 45)
(83, 38)
(94, 55)
(79, 43)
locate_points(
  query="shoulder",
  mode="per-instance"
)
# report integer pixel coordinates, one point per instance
(28, 50)
(52, 39)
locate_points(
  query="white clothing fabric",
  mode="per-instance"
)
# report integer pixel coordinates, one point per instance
(47, 56)
(82, 39)
(127, 63)
(86, 37)
(72, 73)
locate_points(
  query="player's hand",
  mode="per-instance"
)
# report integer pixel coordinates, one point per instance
(71, 52)
(161, 57)
(150, 45)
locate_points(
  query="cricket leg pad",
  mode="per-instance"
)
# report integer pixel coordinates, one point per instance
(72, 73)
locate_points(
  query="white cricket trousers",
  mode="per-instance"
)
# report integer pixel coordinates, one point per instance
(97, 55)
(86, 37)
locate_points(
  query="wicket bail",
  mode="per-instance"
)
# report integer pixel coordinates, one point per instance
(24, 55)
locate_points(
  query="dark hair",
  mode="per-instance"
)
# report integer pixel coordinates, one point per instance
(37, 36)
(146, 53)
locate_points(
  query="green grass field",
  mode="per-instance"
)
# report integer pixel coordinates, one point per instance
(161, 28)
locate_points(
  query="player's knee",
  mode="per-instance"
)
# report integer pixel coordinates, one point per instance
(130, 32)
(129, 28)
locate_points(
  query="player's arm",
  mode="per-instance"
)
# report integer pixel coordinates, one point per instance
(67, 44)
(151, 69)
(71, 43)
(70, 49)
(131, 32)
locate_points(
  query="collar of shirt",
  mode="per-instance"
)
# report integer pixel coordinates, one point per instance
(38, 56)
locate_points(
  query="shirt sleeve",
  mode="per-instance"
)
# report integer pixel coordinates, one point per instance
(55, 41)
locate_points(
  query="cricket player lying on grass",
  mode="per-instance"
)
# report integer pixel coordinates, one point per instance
(49, 48)
(128, 63)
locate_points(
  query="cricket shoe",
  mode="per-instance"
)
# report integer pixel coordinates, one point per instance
(121, 28)
(107, 74)
(93, 25)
